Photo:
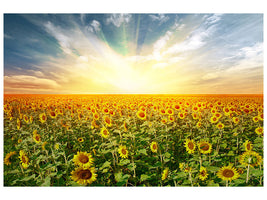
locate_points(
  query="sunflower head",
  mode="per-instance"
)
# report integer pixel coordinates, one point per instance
(204, 147)
(8, 156)
(84, 175)
(248, 145)
(80, 140)
(123, 152)
(42, 117)
(259, 130)
(190, 146)
(154, 147)
(228, 173)
(23, 159)
(220, 125)
(214, 119)
(141, 114)
(203, 174)
(83, 159)
(251, 158)
(37, 138)
(164, 174)
(107, 121)
(104, 132)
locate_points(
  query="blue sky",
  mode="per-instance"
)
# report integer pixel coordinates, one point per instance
(133, 53)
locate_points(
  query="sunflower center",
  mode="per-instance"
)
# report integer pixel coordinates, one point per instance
(142, 114)
(154, 146)
(228, 173)
(37, 137)
(105, 132)
(107, 120)
(84, 174)
(53, 114)
(203, 173)
(43, 117)
(83, 159)
(204, 147)
(191, 145)
(248, 147)
(23, 159)
(123, 151)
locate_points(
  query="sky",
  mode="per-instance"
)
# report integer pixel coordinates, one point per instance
(133, 53)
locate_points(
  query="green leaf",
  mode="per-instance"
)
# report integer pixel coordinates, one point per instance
(105, 165)
(47, 181)
(212, 184)
(142, 151)
(256, 172)
(167, 155)
(230, 153)
(28, 178)
(224, 145)
(144, 177)
(124, 162)
(131, 166)
(212, 169)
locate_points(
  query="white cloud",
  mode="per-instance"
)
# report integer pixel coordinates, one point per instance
(195, 41)
(160, 17)
(63, 40)
(118, 19)
(94, 27)
(213, 19)
(30, 82)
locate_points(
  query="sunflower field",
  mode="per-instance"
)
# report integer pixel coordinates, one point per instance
(133, 140)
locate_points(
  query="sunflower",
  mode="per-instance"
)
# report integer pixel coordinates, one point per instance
(204, 147)
(84, 175)
(170, 111)
(8, 156)
(228, 173)
(220, 125)
(43, 117)
(53, 114)
(195, 115)
(56, 146)
(141, 115)
(37, 138)
(96, 116)
(125, 126)
(171, 118)
(181, 115)
(83, 159)
(214, 119)
(199, 124)
(26, 118)
(23, 159)
(19, 141)
(154, 147)
(43, 145)
(181, 166)
(235, 120)
(123, 152)
(105, 110)
(251, 158)
(18, 124)
(248, 145)
(104, 132)
(203, 174)
(259, 130)
(107, 121)
(165, 174)
(80, 140)
(164, 120)
(31, 119)
(187, 169)
(190, 145)
(256, 119)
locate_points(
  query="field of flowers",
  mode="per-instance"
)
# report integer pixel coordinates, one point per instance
(133, 140)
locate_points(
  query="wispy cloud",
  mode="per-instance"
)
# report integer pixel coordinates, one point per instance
(118, 19)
